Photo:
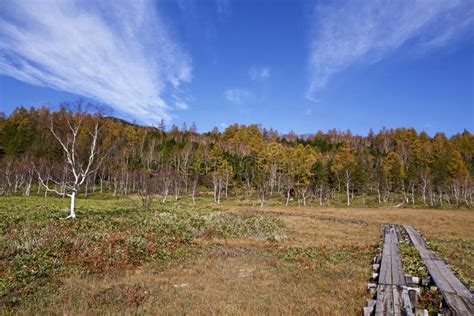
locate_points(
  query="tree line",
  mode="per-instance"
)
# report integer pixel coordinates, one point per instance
(71, 151)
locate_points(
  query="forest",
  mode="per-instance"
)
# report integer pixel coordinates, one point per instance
(240, 221)
(72, 152)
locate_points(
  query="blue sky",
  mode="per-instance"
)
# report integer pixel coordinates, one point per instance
(289, 65)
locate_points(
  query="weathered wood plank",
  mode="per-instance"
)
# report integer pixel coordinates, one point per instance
(391, 300)
(459, 305)
(387, 245)
(385, 275)
(392, 296)
(458, 298)
(438, 276)
(384, 300)
(457, 285)
(406, 303)
(391, 270)
(396, 301)
(420, 244)
(398, 276)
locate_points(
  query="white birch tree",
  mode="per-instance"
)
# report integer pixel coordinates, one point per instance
(78, 167)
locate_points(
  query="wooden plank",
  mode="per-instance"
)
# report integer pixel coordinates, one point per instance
(459, 305)
(392, 296)
(442, 275)
(384, 300)
(398, 276)
(385, 275)
(458, 298)
(454, 282)
(420, 244)
(406, 307)
(391, 270)
(391, 300)
(438, 277)
(396, 301)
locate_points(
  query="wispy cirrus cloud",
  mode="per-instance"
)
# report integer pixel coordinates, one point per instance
(117, 52)
(180, 102)
(367, 31)
(236, 96)
(223, 8)
(259, 73)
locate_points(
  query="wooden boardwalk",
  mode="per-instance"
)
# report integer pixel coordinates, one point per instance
(458, 298)
(392, 292)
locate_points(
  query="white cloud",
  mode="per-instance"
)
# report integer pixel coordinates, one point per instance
(117, 52)
(309, 97)
(236, 96)
(259, 73)
(223, 7)
(180, 103)
(349, 32)
(308, 112)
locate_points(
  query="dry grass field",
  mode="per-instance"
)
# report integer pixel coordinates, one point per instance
(319, 268)
(204, 260)
(450, 232)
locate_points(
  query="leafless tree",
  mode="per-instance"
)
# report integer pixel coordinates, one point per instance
(147, 187)
(80, 162)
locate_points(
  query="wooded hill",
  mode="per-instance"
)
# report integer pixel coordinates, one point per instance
(393, 167)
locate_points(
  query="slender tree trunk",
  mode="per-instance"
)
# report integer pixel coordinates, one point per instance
(165, 196)
(176, 190)
(321, 195)
(86, 191)
(431, 197)
(440, 197)
(423, 189)
(219, 190)
(215, 190)
(193, 194)
(46, 191)
(226, 188)
(28, 187)
(72, 209)
(348, 194)
(115, 187)
(465, 192)
(378, 194)
(405, 195)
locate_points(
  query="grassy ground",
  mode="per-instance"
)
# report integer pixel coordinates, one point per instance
(450, 232)
(179, 258)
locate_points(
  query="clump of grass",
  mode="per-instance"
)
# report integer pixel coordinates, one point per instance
(462, 277)
(127, 296)
(300, 253)
(411, 260)
(430, 300)
(459, 254)
(220, 225)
